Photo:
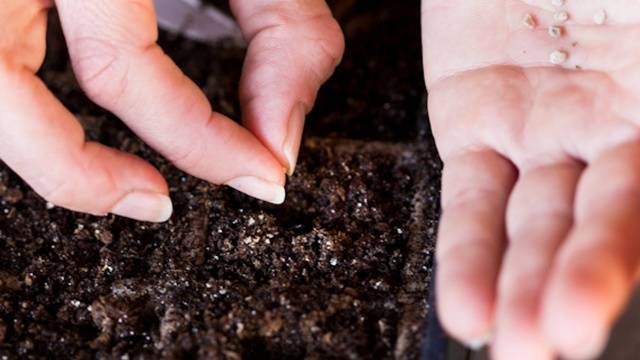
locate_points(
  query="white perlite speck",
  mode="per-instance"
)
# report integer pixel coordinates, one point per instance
(561, 16)
(555, 31)
(529, 21)
(558, 57)
(557, 3)
(600, 17)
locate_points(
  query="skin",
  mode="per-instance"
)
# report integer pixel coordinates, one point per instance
(294, 46)
(538, 247)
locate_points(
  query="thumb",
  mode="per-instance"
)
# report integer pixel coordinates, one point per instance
(294, 47)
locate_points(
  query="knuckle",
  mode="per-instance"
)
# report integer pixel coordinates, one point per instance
(24, 32)
(74, 185)
(520, 276)
(196, 155)
(188, 156)
(187, 159)
(101, 70)
(463, 198)
(332, 42)
(60, 192)
(319, 34)
(7, 67)
(324, 44)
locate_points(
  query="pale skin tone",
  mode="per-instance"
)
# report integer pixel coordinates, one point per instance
(294, 47)
(538, 244)
(537, 248)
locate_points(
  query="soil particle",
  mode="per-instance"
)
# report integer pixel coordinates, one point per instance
(171, 323)
(12, 196)
(104, 236)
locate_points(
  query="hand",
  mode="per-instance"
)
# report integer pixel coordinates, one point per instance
(538, 243)
(293, 48)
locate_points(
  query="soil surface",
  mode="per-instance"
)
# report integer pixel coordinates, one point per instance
(341, 270)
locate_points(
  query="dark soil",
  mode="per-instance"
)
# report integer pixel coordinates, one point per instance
(342, 270)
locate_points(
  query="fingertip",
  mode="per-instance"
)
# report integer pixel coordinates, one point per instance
(573, 332)
(465, 308)
(259, 188)
(141, 175)
(480, 343)
(144, 206)
(148, 197)
(518, 335)
(579, 309)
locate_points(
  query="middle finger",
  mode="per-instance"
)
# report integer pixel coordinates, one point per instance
(539, 216)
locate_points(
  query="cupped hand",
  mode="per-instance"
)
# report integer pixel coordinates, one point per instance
(293, 48)
(538, 244)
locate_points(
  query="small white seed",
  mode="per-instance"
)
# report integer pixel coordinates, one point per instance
(555, 31)
(600, 17)
(557, 3)
(558, 57)
(529, 21)
(561, 16)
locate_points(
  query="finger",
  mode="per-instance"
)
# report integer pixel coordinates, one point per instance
(539, 216)
(596, 267)
(294, 46)
(41, 141)
(120, 66)
(476, 186)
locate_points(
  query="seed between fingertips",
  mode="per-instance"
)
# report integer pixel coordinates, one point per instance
(558, 57)
(555, 31)
(529, 21)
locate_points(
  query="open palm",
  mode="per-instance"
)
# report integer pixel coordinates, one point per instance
(538, 245)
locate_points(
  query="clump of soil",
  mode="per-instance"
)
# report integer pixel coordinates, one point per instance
(342, 270)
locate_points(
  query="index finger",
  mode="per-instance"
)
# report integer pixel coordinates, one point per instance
(120, 66)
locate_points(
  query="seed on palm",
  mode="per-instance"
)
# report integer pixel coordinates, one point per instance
(555, 31)
(561, 16)
(529, 21)
(558, 57)
(600, 17)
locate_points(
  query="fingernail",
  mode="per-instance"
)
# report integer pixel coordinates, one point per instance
(259, 188)
(291, 147)
(144, 206)
(479, 343)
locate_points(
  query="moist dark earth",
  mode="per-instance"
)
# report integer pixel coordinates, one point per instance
(342, 270)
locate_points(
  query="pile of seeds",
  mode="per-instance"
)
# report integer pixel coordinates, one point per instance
(557, 30)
